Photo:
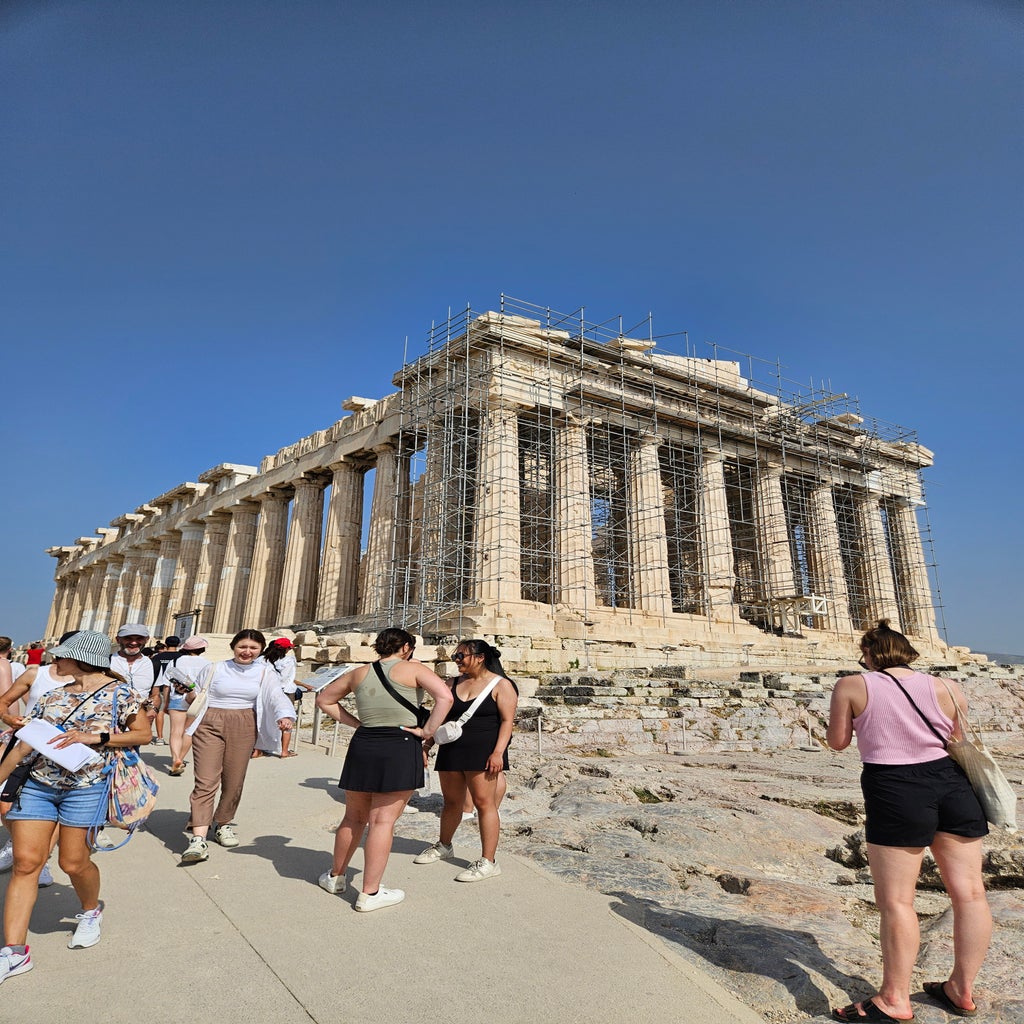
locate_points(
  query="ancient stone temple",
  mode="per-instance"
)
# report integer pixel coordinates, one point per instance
(537, 477)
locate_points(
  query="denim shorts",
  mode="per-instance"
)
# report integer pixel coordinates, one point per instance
(77, 808)
(176, 702)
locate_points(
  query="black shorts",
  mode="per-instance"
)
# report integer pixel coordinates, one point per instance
(906, 804)
(383, 760)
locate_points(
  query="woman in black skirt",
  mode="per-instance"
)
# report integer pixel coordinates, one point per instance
(476, 760)
(385, 757)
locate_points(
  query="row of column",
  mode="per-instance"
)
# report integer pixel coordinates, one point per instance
(248, 564)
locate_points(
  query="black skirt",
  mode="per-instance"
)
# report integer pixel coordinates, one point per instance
(383, 760)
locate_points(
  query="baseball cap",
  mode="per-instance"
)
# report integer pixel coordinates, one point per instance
(132, 629)
(194, 643)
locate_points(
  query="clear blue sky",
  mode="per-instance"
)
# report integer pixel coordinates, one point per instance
(221, 218)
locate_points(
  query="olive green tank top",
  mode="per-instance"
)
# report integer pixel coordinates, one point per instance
(375, 707)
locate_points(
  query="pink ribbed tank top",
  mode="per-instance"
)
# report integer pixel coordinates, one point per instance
(890, 731)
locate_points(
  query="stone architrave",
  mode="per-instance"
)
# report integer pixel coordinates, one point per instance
(915, 588)
(574, 529)
(180, 595)
(879, 585)
(103, 618)
(773, 536)
(211, 561)
(93, 589)
(237, 568)
(826, 558)
(385, 546)
(261, 602)
(716, 536)
(497, 566)
(648, 538)
(163, 579)
(138, 596)
(339, 566)
(302, 553)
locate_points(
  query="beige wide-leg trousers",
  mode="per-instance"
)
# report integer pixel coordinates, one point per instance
(221, 748)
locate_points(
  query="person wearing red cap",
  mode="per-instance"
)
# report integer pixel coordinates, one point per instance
(279, 657)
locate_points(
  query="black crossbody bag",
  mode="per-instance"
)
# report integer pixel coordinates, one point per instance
(421, 713)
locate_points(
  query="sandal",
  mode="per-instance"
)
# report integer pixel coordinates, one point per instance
(871, 1013)
(936, 990)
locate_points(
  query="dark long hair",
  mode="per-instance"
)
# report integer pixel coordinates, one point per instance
(249, 634)
(491, 656)
(275, 652)
(392, 640)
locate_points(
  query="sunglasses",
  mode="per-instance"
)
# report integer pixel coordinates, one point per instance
(459, 656)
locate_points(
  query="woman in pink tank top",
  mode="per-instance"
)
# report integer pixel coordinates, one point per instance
(915, 796)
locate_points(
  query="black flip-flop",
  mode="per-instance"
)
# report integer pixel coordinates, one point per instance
(871, 1013)
(936, 990)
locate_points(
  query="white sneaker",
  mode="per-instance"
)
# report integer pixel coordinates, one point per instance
(432, 854)
(12, 963)
(103, 841)
(6, 863)
(380, 899)
(482, 869)
(225, 835)
(196, 851)
(334, 884)
(88, 931)
(45, 878)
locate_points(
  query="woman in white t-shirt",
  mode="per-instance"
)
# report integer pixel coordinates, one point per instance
(239, 695)
(279, 660)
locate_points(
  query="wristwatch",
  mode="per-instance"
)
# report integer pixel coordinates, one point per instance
(104, 738)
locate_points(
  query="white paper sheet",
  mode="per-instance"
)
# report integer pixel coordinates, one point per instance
(37, 734)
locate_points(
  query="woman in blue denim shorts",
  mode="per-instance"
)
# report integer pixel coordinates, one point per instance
(54, 799)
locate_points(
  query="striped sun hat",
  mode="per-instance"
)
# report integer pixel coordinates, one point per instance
(86, 646)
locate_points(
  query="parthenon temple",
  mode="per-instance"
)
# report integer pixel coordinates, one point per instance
(539, 477)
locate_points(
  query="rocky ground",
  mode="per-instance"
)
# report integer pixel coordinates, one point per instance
(750, 865)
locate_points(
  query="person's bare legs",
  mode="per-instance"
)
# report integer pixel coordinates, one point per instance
(895, 870)
(349, 833)
(385, 810)
(454, 791)
(32, 841)
(959, 862)
(75, 859)
(179, 742)
(483, 789)
(286, 742)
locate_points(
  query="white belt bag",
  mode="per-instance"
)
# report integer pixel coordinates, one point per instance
(448, 732)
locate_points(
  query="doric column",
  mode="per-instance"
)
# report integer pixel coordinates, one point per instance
(267, 561)
(93, 589)
(497, 572)
(179, 599)
(879, 586)
(826, 558)
(234, 579)
(385, 544)
(101, 622)
(211, 561)
(716, 536)
(73, 606)
(773, 537)
(575, 585)
(138, 597)
(163, 579)
(648, 538)
(302, 553)
(339, 567)
(56, 617)
(122, 592)
(918, 616)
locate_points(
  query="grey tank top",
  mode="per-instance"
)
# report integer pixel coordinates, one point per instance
(376, 708)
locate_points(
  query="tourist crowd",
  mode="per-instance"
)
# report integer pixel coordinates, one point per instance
(225, 713)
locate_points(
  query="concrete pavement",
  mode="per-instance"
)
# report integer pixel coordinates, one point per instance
(249, 936)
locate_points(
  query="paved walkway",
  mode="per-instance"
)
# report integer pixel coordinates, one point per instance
(249, 936)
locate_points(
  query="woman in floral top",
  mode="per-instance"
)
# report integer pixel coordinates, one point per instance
(55, 799)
